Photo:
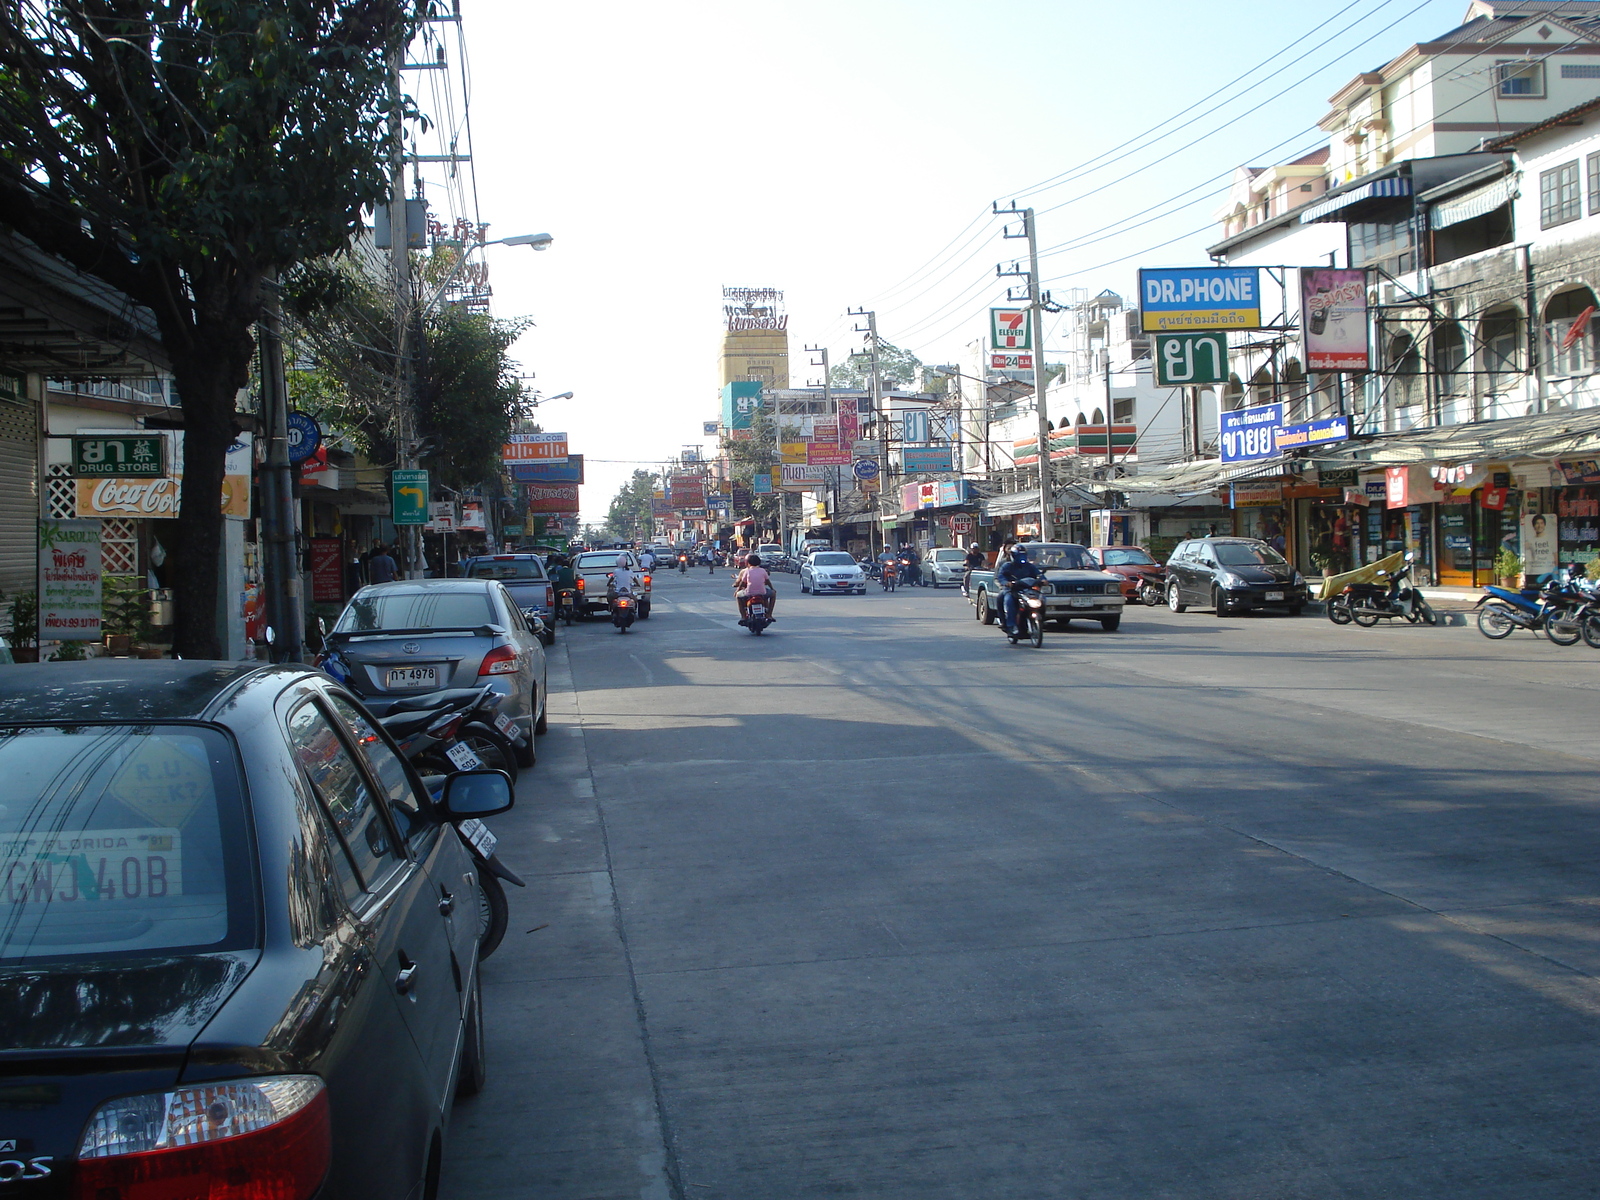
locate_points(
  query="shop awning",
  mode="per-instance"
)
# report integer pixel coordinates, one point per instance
(1011, 504)
(1574, 434)
(1373, 190)
(1198, 478)
(1479, 202)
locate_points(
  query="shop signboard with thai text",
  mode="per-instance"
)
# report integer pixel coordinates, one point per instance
(687, 491)
(849, 419)
(1173, 299)
(1333, 319)
(327, 571)
(827, 454)
(1320, 432)
(98, 456)
(1191, 359)
(570, 471)
(803, 478)
(1257, 493)
(1249, 433)
(933, 458)
(535, 447)
(69, 581)
(158, 499)
(563, 498)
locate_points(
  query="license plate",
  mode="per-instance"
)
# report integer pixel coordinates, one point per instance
(476, 832)
(103, 868)
(504, 724)
(1274, 595)
(1082, 602)
(413, 677)
(463, 757)
(756, 610)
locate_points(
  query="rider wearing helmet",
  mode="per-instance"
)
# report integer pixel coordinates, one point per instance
(976, 561)
(1012, 573)
(754, 579)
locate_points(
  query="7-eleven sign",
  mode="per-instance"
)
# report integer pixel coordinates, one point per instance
(1008, 329)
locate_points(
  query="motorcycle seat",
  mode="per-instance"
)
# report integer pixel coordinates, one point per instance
(437, 701)
(402, 725)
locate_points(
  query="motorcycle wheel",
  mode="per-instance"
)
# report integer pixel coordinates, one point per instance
(493, 913)
(492, 747)
(1035, 629)
(1590, 628)
(1364, 619)
(1563, 627)
(1493, 622)
(1339, 610)
(1423, 614)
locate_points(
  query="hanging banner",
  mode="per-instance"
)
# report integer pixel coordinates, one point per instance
(1333, 319)
(849, 419)
(535, 447)
(69, 581)
(1178, 298)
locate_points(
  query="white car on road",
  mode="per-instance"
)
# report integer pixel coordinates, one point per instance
(832, 571)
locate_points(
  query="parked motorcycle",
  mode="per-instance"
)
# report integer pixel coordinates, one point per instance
(1030, 613)
(624, 610)
(456, 729)
(1553, 609)
(493, 911)
(1368, 603)
(1152, 592)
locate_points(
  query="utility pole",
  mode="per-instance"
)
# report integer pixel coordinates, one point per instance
(280, 564)
(880, 419)
(1037, 301)
(400, 261)
(833, 472)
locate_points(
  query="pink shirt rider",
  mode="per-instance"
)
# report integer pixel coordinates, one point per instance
(754, 581)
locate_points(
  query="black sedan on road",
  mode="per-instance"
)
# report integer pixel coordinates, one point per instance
(239, 952)
(1232, 575)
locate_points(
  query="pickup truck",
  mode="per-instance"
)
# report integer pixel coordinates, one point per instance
(524, 576)
(1079, 589)
(590, 570)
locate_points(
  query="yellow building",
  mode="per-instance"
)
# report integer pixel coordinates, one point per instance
(755, 341)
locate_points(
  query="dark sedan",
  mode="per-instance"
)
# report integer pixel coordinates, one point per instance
(240, 950)
(1232, 575)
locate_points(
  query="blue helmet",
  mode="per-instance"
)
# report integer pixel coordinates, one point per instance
(1019, 555)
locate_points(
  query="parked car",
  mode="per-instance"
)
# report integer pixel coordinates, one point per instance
(1232, 575)
(832, 571)
(1078, 590)
(1133, 566)
(525, 577)
(241, 940)
(415, 636)
(944, 565)
(591, 570)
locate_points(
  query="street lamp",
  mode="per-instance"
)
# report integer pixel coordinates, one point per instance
(539, 241)
(538, 399)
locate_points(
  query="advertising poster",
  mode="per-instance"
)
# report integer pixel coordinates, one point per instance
(159, 498)
(687, 491)
(1333, 310)
(1538, 545)
(69, 581)
(558, 498)
(849, 419)
(535, 447)
(1180, 298)
(327, 571)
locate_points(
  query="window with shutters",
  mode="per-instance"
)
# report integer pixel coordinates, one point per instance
(1560, 195)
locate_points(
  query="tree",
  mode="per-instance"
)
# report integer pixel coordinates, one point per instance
(185, 153)
(751, 456)
(631, 516)
(894, 365)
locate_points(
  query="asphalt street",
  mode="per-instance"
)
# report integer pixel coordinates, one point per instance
(878, 905)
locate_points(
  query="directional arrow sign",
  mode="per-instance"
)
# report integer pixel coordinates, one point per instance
(409, 493)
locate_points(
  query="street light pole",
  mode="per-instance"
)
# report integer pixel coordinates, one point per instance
(1037, 299)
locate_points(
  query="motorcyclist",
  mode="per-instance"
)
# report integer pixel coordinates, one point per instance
(621, 579)
(976, 561)
(562, 578)
(753, 578)
(1013, 573)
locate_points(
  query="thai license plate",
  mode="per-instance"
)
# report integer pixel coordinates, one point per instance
(463, 757)
(413, 677)
(1082, 602)
(504, 724)
(476, 832)
(1274, 595)
(96, 866)
(757, 610)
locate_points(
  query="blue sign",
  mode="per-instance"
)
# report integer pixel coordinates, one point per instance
(865, 468)
(1179, 299)
(1313, 433)
(570, 471)
(761, 484)
(936, 458)
(1249, 433)
(305, 435)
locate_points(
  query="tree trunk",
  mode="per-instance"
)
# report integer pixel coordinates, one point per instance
(209, 429)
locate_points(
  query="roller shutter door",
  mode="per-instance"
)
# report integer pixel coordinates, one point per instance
(19, 497)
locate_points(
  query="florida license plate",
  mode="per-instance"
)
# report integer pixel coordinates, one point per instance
(463, 757)
(1274, 595)
(476, 832)
(413, 677)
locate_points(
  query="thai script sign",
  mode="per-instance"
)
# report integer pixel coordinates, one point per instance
(1257, 494)
(1178, 298)
(935, 458)
(741, 401)
(687, 491)
(69, 581)
(570, 471)
(1248, 433)
(827, 454)
(563, 498)
(1313, 433)
(142, 457)
(1191, 359)
(753, 308)
(158, 499)
(1333, 319)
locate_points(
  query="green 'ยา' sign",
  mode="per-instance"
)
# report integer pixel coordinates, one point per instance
(408, 491)
(141, 456)
(1191, 359)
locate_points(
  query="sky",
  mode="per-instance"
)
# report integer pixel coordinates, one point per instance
(848, 153)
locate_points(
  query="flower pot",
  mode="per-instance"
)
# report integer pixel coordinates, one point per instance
(119, 644)
(148, 652)
(24, 654)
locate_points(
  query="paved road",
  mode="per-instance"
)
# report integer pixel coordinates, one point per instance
(878, 905)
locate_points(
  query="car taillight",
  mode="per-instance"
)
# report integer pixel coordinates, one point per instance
(581, 583)
(549, 596)
(262, 1139)
(500, 661)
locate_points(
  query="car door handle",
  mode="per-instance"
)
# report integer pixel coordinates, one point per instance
(406, 980)
(447, 903)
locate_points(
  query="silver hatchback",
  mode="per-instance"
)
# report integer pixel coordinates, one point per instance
(408, 638)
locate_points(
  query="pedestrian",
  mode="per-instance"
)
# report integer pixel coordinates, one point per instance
(381, 568)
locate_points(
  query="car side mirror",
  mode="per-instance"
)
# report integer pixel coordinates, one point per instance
(534, 620)
(476, 794)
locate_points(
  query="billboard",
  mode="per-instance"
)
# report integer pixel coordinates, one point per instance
(687, 491)
(741, 401)
(936, 458)
(535, 447)
(1333, 319)
(803, 478)
(570, 471)
(849, 419)
(1009, 329)
(828, 454)
(1251, 433)
(1173, 299)
(1320, 432)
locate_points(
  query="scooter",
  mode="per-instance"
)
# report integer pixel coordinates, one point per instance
(1369, 603)
(624, 610)
(567, 605)
(683, 564)
(456, 729)
(1030, 614)
(756, 617)
(889, 576)
(1552, 608)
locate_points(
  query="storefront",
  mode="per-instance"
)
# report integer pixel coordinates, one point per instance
(1577, 508)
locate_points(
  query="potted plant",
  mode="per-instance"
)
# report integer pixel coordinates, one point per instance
(1508, 567)
(25, 627)
(126, 616)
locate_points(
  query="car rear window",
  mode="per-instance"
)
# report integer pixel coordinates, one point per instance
(1060, 557)
(421, 608)
(1128, 558)
(122, 839)
(839, 559)
(515, 568)
(606, 559)
(949, 555)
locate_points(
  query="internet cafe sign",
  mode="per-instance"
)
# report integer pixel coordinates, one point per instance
(158, 499)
